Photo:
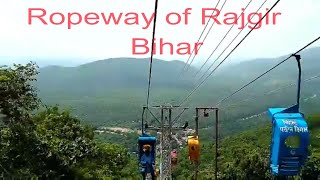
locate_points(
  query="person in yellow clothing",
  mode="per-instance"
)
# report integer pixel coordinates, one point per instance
(157, 173)
(194, 148)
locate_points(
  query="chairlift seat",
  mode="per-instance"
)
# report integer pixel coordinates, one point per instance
(194, 148)
(287, 159)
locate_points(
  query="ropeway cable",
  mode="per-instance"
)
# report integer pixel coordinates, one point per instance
(151, 58)
(272, 91)
(226, 36)
(229, 43)
(229, 53)
(199, 38)
(268, 71)
(206, 36)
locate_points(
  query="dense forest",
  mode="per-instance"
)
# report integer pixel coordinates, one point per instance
(48, 142)
(49, 117)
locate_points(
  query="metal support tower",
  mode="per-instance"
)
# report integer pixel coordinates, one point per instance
(165, 145)
(206, 114)
(166, 128)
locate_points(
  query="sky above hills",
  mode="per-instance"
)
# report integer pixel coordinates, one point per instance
(56, 44)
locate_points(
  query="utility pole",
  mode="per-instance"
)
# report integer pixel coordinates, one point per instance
(197, 135)
(166, 128)
(206, 114)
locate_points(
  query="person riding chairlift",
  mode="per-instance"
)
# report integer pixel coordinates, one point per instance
(147, 163)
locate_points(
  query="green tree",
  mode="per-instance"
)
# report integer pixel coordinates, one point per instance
(18, 97)
(52, 143)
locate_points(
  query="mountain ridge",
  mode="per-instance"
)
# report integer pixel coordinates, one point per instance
(111, 92)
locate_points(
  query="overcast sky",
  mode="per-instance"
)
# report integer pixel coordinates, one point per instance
(297, 25)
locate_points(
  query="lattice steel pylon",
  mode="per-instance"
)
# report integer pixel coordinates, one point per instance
(165, 158)
(166, 128)
(165, 145)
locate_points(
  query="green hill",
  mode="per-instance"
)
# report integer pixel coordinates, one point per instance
(111, 92)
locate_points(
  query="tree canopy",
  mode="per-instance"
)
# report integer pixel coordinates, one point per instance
(42, 141)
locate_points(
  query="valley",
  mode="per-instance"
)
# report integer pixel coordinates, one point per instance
(112, 92)
(90, 116)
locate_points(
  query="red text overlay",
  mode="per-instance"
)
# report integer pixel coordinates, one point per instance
(141, 46)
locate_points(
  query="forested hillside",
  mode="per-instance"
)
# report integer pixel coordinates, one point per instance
(41, 139)
(111, 92)
(246, 156)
